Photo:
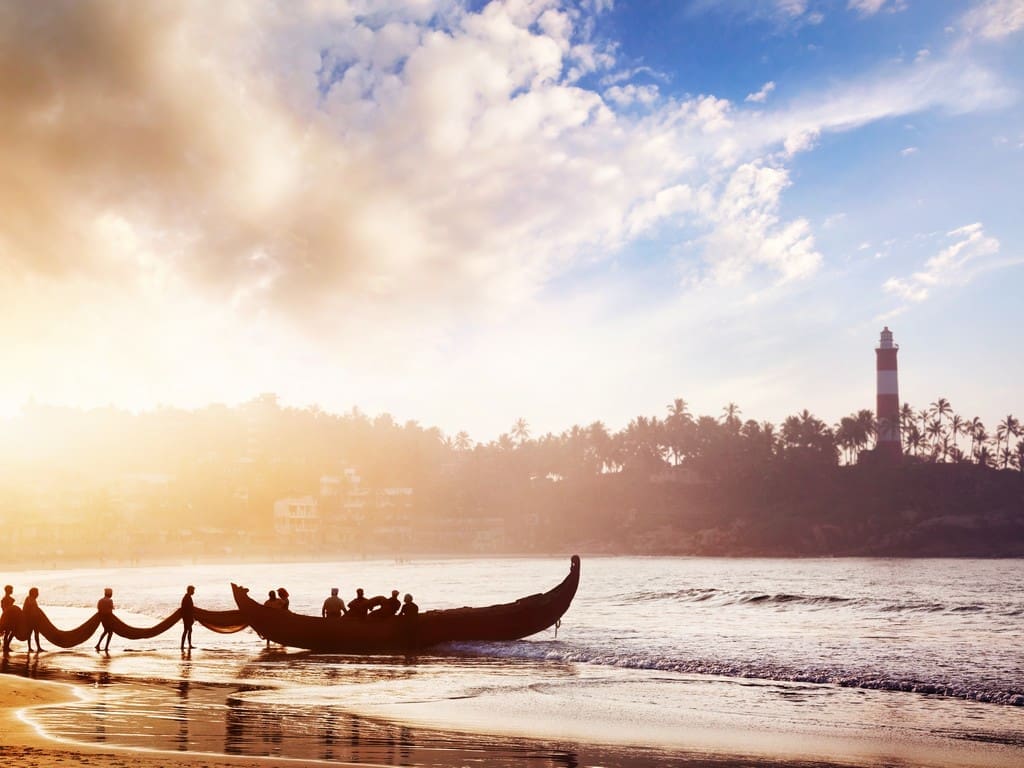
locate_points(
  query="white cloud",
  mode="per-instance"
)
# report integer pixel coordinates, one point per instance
(908, 151)
(759, 97)
(215, 186)
(958, 263)
(871, 7)
(625, 95)
(993, 19)
(748, 233)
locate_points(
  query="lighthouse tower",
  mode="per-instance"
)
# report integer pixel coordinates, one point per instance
(887, 412)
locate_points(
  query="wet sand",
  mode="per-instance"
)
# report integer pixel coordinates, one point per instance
(536, 742)
(22, 746)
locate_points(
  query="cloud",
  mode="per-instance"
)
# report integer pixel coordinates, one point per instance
(908, 151)
(783, 13)
(235, 190)
(871, 7)
(625, 95)
(958, 263)
(759, 97)
(748, 232)
(993, 19)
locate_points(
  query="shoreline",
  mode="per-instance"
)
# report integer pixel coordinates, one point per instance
(715, 741)
(24, 745)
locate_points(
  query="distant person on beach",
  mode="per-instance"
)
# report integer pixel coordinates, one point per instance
(105, 607)
(358, 605)
(188, 616)
(30, 609)
(282, 596)
(334, 606)
(409, 609)
(6, 604)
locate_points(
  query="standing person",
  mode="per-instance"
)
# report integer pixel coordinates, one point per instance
(282, 596)
(272, 601)
(358, 605)
(334, 606)
(392, 605)
(188, 616)
(30, 609)
(105, 606)
(6, 604)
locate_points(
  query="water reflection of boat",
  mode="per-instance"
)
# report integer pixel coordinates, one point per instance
(507, 621)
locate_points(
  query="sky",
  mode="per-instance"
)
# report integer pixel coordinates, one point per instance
(467, 213)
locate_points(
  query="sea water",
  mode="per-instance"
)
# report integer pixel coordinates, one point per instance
(669, 655)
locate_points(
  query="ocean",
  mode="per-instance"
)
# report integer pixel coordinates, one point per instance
(659, 661)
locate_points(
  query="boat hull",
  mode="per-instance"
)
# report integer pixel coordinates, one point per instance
(507, 621)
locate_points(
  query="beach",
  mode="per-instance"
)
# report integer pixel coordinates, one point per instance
(659, 662)
(717, 741)
(22, 745)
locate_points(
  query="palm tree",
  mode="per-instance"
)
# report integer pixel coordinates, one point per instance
(941, 408)
(914, 438)
(731, 414)
(521, 430)
(983, 456)
(974, 426)
(1007, 455)
(679, 408)
(463, 442)
(906, 415)
(1008, 427)
(808, 433)
(957, 426)
(937, 433)
(677, 428)
(867, 425)
(846, 437)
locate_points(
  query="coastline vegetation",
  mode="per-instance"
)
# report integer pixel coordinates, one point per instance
(677, 483)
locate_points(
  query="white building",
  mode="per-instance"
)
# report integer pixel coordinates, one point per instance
(297, 516)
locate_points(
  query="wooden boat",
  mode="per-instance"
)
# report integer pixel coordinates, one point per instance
(508, 621)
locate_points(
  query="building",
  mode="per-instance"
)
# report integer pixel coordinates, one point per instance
(887, 413)
(297, 518)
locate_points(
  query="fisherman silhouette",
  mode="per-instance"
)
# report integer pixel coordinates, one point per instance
(188, 616)
(384, 607)
(5, 616)
(30, 610)
(334, 606)
(409, 610)
(358, 605)
(105, 607)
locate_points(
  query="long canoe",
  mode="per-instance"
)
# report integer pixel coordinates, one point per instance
(507, 621)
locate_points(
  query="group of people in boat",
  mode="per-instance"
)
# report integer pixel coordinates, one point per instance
(359, 607)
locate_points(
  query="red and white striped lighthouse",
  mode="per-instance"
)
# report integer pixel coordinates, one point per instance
(888, 405)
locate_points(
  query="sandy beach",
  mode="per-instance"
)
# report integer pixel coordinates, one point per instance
(720, 743)
(24, 746)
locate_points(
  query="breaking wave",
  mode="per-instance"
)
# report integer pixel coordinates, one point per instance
(843, 678)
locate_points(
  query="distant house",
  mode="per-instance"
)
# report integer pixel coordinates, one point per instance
(297, 517)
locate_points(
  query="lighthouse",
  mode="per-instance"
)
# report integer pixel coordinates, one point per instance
(887, 413)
